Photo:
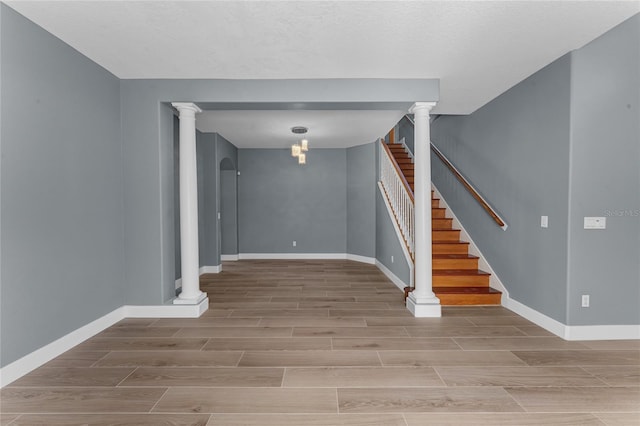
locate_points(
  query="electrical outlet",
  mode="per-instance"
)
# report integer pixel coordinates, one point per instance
(391, 259)
(544, 221)
(585, 300)
(294, 243)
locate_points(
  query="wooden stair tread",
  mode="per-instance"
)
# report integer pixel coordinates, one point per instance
(466, 290)
(459, 272)
(453, 256)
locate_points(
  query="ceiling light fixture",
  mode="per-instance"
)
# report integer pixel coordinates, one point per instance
(298, 149)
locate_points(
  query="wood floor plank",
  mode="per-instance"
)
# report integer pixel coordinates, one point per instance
(205, 376)
(350, 332)
(309, 359)
(5, 419)
(534, 330)
(307, 420)
(78, 400)
(312, 322)
(280, 313)
(170, 359)
(206, 322)
(220, 332)
(394, 343)
(268, 344)
(73, 376)
(612, 345)
(345, 377)
(248, 400)
(499, 320)
(579, 357)
(620, 419)
(462, 331)
(127, 344)
(410, 400)
(77, 358)
(449, 358)
(113, 420)
(627, 375)
(344, 305)
(130, 332)
(577, 399)
(502, 419)
(517, 376)
(346, 313)
(418, 322)
(516, 343)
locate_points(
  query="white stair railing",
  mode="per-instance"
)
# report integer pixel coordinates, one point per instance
(399, 195)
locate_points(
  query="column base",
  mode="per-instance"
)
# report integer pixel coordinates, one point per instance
(424, 308)
(196, 301)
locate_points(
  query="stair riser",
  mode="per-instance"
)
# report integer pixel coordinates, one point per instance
(455, 264)
(469, 299)
(446, 235)
(452, 248)
(461, 281)
(437, 226)
(438, 213)
(435, 203)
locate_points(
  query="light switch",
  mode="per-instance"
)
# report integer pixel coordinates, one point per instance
(595, 223)
(544, 221)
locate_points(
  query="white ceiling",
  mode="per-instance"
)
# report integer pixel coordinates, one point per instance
(272, 129)
(478, 49)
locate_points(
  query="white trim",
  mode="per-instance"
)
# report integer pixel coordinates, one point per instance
(178, 283)
(602, 332)
(229, 257)
(306, 256)
(35, 359)
(574, 332)
(210, 269)
(392, 277)
(548, 323)
(46, 353)
(361, 259)
(494, 279)
(166, 311)
(405, 251)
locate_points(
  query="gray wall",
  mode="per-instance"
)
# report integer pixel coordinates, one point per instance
(361, 200)
(148, 153)
(280, 201)
(61, 227)
(563, 143)
(515, 150)
(228, 212)
(605, 178)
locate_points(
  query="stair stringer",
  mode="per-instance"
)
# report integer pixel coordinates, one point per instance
(483, 264)
(405, 251)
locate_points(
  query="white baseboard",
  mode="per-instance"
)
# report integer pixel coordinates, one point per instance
(306, 256)
(35, 359)
(210, 269)
(361, 259)
(392, 277)
(229, 257)
(573, 332)
(202, 270)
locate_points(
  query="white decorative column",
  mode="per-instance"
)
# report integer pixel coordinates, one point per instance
(191, 294)
(422, 302)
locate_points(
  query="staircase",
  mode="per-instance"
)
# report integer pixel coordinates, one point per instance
(456, 277)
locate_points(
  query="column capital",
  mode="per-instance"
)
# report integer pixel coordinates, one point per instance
(422, 107)
(186, 107)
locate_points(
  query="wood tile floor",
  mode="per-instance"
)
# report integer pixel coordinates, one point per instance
(328, 343)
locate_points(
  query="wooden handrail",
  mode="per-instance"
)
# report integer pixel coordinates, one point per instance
(474, 193)
(398, 170)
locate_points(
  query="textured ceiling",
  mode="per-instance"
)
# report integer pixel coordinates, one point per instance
(478, 49)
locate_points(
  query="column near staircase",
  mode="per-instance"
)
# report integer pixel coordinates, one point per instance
(191, 294)
(422, 302)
